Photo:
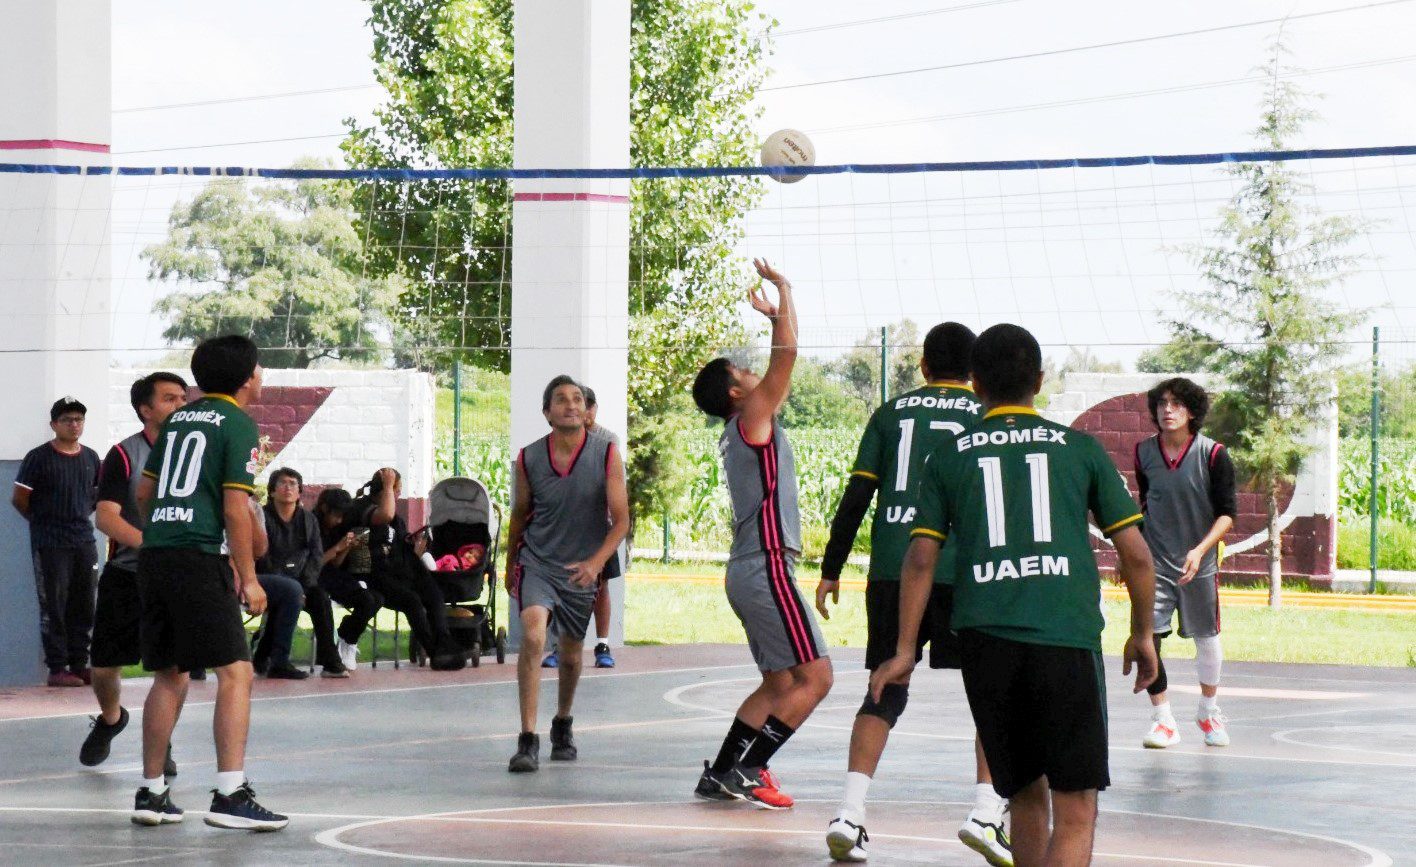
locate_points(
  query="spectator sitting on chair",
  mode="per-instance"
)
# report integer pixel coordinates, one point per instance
(284, 598)
(397, 572)
(296, 551)
(55, 492)
(337, 578)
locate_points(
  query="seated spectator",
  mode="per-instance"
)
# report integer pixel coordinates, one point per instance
(396, 571)
(284, 599)
(296, 551)
(338, 578)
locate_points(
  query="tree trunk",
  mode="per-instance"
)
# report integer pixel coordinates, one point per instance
(1275, 549)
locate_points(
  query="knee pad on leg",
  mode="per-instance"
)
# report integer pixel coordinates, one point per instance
(1209, 659)
(893, 699)
(1161, 682)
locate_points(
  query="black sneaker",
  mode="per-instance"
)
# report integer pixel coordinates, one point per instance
(240, 811)
(100, 738)
(153, 810)
(562, 740)
(285, 672)
(169, 765)
(710, 785)
(528, 754)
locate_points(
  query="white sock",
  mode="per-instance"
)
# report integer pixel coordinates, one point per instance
(988, 806)
(1162, 712)
(228, 782)
(1208, 704)
(603, 639)
(157, 786)
(853, 798)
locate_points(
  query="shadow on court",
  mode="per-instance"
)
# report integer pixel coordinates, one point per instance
(411, 765)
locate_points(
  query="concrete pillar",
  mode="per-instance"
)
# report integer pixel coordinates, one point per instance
(570, 238)
(54, 264)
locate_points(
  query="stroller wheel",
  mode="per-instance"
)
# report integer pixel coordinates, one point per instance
(476, 654)
(501, 645)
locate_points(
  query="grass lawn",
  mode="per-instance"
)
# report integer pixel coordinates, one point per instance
(663, 612)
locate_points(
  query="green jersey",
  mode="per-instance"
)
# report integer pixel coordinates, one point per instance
(204, 448)
(900, 436)
(1013, 493)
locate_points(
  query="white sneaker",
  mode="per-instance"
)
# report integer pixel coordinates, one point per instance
(1212, 723)
(988, 838)
(1162, 734)
(348, 653)
(846, 840)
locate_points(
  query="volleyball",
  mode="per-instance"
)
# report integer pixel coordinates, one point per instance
(788, 147)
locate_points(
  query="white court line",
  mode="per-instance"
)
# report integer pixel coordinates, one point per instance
(395, 689)
(1372, 709)
(1286, 737)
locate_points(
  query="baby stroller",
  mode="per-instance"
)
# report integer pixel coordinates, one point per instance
(464, 527)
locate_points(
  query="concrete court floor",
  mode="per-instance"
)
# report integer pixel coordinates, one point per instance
(411, 766)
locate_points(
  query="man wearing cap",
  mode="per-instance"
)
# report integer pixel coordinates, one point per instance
(55, 492)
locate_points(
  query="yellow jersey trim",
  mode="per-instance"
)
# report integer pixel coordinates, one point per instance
(866, 474)
(239, 487)
(1121, 525)
(226, 397)
(949, 384)
(1011, 410)
(925, 531)
(150, 474)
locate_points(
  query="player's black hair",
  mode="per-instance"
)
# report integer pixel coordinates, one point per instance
(589, 395)
(373, 487)
(711, 387)
(284, 472)
(1188, 392)
(332, 501)
(563, 379)
(1005, 363)
(221, 365)
(143, 389)
(946, 350)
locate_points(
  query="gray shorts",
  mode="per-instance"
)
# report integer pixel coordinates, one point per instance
(1197, 602)
(570, 606)
(781, 628)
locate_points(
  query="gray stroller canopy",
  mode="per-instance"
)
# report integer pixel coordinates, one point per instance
(462, 500)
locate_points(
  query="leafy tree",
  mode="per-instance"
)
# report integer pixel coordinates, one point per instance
(281, 263)
(819, 400)
(1397, 389)
(1173, 356)
(1263, 311)
(859, 368)
(446, 65)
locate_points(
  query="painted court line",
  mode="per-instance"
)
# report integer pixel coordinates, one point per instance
(1287, 737)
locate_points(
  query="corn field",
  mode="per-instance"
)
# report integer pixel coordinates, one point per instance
(1396, 478)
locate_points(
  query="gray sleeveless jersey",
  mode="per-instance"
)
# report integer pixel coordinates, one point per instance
(762, 485)
(569, 508)
(135, 451)
(1178, 509)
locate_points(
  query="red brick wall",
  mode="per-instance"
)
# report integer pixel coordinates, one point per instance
(1122, 421)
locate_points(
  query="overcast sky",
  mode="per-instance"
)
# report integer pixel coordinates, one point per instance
(1076, 255)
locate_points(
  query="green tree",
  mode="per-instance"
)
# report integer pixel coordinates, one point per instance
(694, 72)
(1263, 309)
(1173, 356)
(859, 367)
(279, 262)
(820, 400)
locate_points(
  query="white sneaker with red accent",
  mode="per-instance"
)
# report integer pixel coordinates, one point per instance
(1212, 722)
(1163, 733)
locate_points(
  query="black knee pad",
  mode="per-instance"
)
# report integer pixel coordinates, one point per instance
(893, 699)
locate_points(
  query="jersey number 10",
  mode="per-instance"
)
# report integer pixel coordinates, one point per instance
(180, 477)
(993, 501)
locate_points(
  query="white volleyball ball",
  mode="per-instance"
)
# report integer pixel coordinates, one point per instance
(788, 147)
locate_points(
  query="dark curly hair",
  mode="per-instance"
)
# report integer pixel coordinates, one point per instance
(1188, 392)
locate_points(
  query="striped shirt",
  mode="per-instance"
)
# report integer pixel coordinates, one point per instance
(62, 490)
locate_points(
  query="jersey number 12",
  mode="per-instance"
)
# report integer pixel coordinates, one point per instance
(902, 454)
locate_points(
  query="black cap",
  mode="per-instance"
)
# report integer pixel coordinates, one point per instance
(67, 403)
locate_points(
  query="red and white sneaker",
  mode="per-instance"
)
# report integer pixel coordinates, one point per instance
(770, 780)
(750, 785)
(1162, 734)
(1212, 724)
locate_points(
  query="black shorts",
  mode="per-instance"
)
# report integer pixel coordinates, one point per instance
(116, 618)
(1040, 710)
(882, 625)
(191, 614)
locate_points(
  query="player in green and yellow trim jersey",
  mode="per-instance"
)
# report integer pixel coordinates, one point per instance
(1015, 492)
(899, 436)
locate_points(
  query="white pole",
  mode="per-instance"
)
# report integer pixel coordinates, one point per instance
(54, 263)
(570, 241)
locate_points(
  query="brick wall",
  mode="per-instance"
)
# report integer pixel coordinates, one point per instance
(1112, 407)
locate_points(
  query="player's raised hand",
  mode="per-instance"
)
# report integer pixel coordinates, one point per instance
(767, 272)
(892, 670)
(828, 587)
(758, 299)
(1141, 651)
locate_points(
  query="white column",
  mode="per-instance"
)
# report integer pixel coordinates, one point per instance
(570, 247)
(54, 259)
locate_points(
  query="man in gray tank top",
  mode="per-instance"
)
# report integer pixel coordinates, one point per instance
(782, 632)
(1186, 483)
(119, 610)
(570, 512)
